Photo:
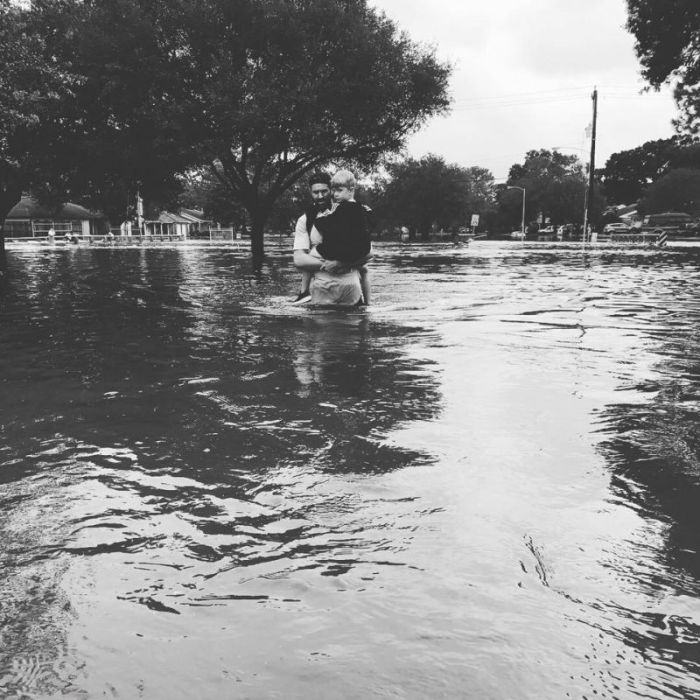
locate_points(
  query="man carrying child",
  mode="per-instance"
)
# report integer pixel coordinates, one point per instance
(332, 249)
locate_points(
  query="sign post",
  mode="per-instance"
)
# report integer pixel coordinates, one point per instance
(475, 223)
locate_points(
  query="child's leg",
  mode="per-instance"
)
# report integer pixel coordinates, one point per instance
(364, 283)
(304, 292)
(305, 281)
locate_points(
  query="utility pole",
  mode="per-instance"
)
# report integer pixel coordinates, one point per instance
(591, 167)
(139, 211)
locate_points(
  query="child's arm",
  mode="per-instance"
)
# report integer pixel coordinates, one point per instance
(303, 260)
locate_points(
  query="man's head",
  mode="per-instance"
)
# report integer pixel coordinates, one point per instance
(320, 187)
(343, 186)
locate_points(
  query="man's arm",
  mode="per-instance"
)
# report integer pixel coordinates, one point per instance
(305, 261)
(302, 244)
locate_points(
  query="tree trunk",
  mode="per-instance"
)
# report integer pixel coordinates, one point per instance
(9, 197)
(257, 236)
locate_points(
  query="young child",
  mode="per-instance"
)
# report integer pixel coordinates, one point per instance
(345, 230)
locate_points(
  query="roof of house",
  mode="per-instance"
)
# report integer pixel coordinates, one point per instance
(194, 216)
(30, 208)
(629, 214)
(167, 217)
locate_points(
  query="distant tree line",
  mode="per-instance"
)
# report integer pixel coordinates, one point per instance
(428, 194)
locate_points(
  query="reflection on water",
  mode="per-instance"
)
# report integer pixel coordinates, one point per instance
(484, 486)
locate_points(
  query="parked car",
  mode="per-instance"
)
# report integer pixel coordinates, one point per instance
(669, 222)
(617, 227)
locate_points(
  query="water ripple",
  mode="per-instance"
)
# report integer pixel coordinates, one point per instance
(485, 485)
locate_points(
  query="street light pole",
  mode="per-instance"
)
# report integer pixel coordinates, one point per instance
(522, 223)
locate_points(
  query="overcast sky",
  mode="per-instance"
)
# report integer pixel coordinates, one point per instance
(523, 77)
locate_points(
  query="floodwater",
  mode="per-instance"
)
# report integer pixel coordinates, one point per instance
(485, 486)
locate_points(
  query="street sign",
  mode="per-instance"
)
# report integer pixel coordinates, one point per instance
(475, 220)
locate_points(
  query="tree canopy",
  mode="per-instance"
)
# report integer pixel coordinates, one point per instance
(258, 91)
(430, 193)
(677, 190)
(555, 186)
(667, 34)
(124, 126)
(628, 174)
(32, 89)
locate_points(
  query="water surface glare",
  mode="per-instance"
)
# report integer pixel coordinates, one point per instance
(485, 486)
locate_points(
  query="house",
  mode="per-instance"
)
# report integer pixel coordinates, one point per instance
(30, 219)
(167, 224)
(184, 224)
(199, 224)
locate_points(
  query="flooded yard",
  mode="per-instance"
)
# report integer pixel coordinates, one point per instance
(487, 485)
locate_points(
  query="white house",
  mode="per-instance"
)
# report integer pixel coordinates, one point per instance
(30, 219)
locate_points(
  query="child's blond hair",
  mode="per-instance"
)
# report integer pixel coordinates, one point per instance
(344, 178)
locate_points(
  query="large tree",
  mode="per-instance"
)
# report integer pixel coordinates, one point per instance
(677, 190)
(258, 91)
(32, 89)
(667, 34)
(428, 193)
(77, 122)
(125, 126)
(555, 186)
(628, 174)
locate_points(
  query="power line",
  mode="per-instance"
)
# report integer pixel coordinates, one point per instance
(539, 97)
(535, 92)
(477, 107)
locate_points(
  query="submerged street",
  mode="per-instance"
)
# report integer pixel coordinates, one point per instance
(484, 486)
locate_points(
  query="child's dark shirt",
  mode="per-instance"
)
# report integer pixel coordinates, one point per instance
(345, 232)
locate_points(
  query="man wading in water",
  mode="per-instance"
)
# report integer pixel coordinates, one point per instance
(320, 189)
